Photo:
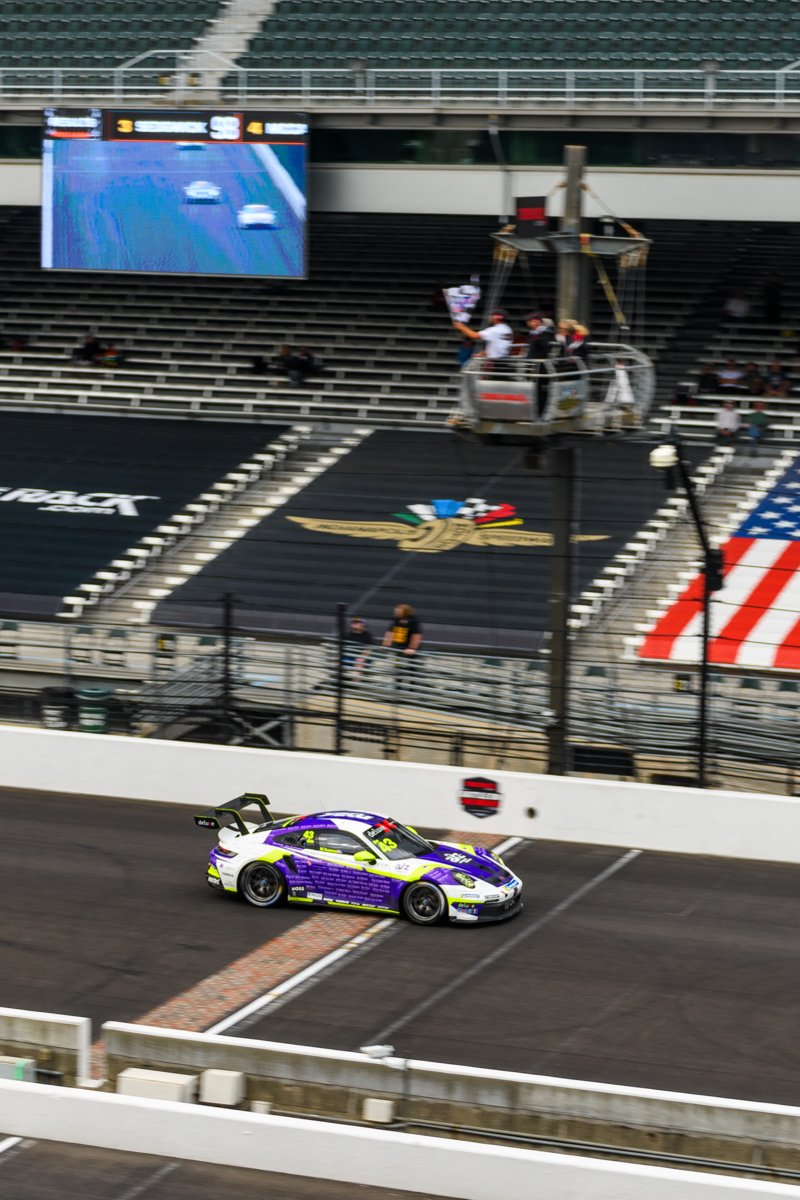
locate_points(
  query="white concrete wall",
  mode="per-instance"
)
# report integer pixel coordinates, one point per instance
(675, 193)
(50, 1031)
(656, 193)
(683, 820)
(321, 1150)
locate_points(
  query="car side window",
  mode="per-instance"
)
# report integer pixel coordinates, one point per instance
(290, 839)
(336, 841)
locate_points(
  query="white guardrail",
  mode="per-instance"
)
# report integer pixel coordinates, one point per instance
(598, 812)
(169, 75)
(324, 1150)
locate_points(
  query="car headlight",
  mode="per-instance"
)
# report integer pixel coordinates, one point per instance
(465, 880)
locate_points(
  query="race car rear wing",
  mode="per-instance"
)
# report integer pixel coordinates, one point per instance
(212, 818)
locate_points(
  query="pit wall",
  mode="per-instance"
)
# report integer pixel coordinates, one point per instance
(645, 816)
(304, 1080)
(432, 1166)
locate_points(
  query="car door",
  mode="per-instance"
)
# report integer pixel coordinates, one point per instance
(338, 878)
(298, 863)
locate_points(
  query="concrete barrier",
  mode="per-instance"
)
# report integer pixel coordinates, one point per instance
(57, 1043)
(309, 1080)
(682, 820)
(405, 1162)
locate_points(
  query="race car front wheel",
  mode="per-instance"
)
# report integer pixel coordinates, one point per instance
(424, 903)
(262, 884)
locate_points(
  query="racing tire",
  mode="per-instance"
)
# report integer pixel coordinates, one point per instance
(424, 903)
(263, 885)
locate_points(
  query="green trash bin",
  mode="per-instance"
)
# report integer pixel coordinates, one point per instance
(93, 710)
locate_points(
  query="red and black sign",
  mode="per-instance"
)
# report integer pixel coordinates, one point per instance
(531, 214)
(480, 797)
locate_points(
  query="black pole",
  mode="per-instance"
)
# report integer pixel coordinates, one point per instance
(227, 639)
(712, 582)
(561, 578)
(341, 612)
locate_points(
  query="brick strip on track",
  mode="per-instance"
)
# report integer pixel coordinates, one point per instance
(254, 974)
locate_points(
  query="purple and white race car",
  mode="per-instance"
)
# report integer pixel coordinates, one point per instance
(355, 860)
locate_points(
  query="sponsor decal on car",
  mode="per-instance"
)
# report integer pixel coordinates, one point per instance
(480, 797)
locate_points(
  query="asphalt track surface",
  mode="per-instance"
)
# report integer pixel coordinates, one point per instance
(675, 972)
(121, 207)
(34, 1170)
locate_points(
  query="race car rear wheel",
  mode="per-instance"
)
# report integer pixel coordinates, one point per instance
(424, 903)
(262, 884)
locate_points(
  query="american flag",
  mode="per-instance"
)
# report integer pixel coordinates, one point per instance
(755, 617)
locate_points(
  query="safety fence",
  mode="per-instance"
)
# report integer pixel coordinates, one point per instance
(627, 719)
(182, 76)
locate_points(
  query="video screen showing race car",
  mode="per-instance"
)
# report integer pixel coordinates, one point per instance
(198, 193)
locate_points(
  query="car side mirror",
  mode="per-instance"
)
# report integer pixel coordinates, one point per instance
(364, 856)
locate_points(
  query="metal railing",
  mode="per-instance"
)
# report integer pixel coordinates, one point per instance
(475, 710)
(170, 77)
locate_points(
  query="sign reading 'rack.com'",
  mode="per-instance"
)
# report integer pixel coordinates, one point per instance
(110, 504)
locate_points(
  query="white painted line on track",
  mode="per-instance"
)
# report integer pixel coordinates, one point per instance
(295, 981)
(151, 1180)
(8, 1142)
(511, 944)
(507, 845)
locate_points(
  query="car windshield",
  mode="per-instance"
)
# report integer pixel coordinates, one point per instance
(395, 841)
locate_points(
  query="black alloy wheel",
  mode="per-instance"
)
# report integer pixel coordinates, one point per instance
(262, 884)
(424, 903)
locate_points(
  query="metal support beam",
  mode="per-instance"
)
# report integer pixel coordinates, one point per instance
(341, 618)
(563, 461)
(570, 266)
(227, 640)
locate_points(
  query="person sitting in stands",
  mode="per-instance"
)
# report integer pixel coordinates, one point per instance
(305, 363)
(727, 423)
(708, 381)
(497, 337)
(751, 379)
(776, 381)
(757, 426)
(730, 377)
(89, 351)
(736, 307)
(110, 357)
(282, 361)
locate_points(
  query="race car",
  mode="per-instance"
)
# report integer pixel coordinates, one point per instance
(355, 860)
(202, 192)
(256, 216)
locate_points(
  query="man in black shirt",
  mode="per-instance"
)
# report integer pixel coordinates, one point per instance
(405, 632)
(359, 647)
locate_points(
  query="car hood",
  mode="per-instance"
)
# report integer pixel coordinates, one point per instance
(480, 865)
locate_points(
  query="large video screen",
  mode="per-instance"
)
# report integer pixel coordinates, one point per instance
(199, 193)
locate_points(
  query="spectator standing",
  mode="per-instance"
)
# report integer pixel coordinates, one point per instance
(540, 336)
(404, 634)
(772, 298)
(497, 337)
(776, 381)
(728, 423)
(359, 645)
(578, 342)
(757, 426)
(708, 381)
(731, 377)
(736, 307)
(751, 379)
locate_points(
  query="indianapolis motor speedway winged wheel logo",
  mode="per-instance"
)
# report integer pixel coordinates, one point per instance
(443, 525)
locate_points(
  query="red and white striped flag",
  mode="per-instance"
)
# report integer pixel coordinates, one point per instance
(755, 617)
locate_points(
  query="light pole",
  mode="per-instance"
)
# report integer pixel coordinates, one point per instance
(665, 458)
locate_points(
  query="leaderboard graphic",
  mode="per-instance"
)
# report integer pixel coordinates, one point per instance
(200, 193)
